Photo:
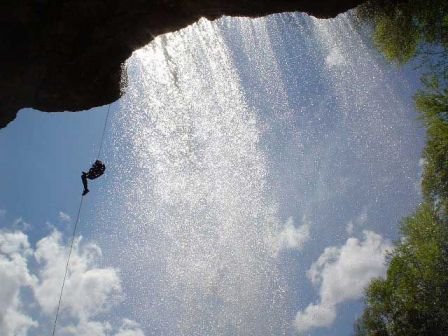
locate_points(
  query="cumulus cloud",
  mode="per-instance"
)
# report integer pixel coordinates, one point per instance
(362, 218)
(358, 221)
(292, 237)
(86, 327)
(14, 274)
(20, 224)
(63, 217)
(349, 228)
(341, 274)
(129, 328)
(89, 289)
(94, 328)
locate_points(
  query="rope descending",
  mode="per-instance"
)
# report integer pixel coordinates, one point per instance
(75, 228)
(66, 266)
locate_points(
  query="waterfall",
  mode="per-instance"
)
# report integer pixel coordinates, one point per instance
(197, 188)
(225, 130)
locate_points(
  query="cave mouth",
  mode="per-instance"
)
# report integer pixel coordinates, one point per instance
(67, 55)
(240, 152)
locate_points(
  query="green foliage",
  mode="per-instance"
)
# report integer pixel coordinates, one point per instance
(408, 28)
(373, 322)
(389, 38)
(411, 300)
(433, 106)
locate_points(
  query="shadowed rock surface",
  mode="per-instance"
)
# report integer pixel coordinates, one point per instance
(66, 55)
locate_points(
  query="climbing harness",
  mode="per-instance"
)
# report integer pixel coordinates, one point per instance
(76, 226)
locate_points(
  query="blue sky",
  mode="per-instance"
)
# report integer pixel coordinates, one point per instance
(42, 156)
(248, 163)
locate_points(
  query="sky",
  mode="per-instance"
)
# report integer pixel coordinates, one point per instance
(256, 174)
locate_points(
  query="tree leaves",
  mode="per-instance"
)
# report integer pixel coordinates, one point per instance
(412, 298)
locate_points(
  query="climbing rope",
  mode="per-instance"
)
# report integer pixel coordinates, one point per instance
(104, 132)
(75, 228)
(66, 266)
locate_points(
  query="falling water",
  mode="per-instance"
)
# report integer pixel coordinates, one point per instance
(225, 130)
(203, 218)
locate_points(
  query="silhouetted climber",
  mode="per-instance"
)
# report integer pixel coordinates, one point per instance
(97, 170)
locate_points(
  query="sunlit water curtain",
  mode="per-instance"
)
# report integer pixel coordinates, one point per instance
(225, 130)
(204, 221)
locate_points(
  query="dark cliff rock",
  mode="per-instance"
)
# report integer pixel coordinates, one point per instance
(58, 55)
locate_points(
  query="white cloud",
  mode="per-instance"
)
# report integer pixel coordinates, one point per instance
(20, 224)
(341, 274)
(92, 328)
(360, 220)
(291, 237)
(349, 228)
(315, 316)
(14, 274)
(13, 244)
(129, 328)
(89, 289)
(15, 323)
(86, 327)
(63, 217)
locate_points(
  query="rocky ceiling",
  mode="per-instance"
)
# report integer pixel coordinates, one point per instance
(66, 55)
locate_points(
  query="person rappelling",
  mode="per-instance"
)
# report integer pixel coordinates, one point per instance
(96, 171)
